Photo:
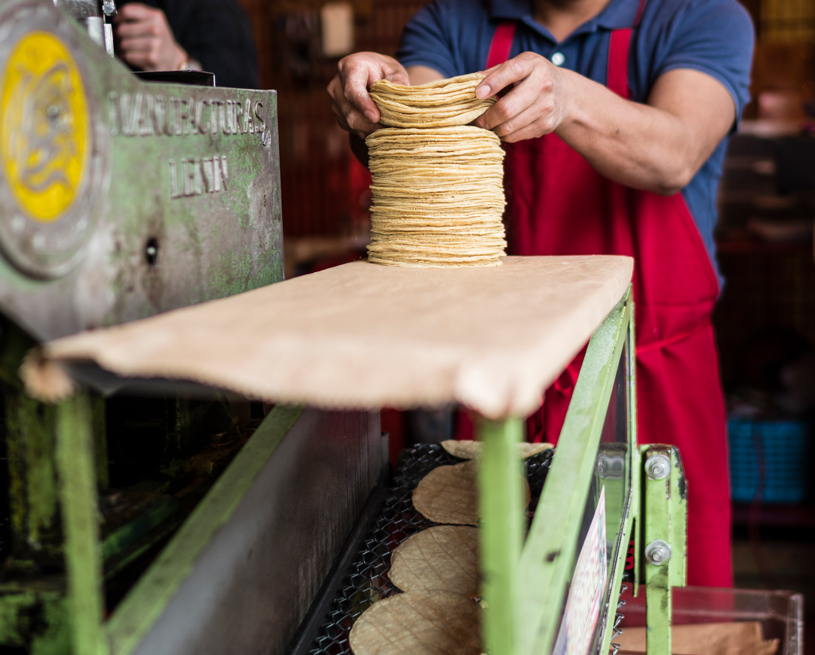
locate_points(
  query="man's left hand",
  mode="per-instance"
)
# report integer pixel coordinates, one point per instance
(535, 104)
(145, 40)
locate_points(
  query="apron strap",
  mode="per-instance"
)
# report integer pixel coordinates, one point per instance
(501, 44)
(617, 77)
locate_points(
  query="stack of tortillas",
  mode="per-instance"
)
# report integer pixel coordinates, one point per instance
(438, 192)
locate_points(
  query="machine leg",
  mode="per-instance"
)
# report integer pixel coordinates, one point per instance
(500, 487)
(664, 519)
(76, 471)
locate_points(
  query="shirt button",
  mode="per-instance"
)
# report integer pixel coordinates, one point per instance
(558, 58)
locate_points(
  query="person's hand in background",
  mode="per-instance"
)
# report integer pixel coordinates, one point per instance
(145, 41)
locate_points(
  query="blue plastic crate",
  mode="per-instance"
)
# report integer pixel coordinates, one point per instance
(768, 460)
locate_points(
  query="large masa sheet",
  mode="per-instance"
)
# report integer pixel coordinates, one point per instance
(366, 336)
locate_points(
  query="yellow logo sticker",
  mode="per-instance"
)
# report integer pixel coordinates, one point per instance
(43, 126)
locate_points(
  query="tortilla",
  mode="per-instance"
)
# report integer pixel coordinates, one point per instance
(441, 558)
(472, 449)
(419, 623)
(449, 494)
(442, 103)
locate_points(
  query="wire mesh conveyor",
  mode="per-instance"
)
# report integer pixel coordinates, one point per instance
(366, 579)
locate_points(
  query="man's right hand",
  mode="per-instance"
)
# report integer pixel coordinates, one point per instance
(351, 104)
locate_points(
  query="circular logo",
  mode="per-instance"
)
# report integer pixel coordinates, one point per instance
(43, 126)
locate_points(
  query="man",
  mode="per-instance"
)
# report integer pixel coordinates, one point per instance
(614, 115)
(170, 35)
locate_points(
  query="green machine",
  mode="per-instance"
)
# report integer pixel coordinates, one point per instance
(121, 198)
(168, 518)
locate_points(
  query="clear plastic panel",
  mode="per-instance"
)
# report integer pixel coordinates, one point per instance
(779, 612)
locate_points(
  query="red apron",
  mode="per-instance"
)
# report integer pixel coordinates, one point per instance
(557, 204)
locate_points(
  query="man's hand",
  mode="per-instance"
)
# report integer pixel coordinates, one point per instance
(658, 145)
(534, 106)
(145, 40)
(351, 104)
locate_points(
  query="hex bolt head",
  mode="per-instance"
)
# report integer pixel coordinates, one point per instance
(658, 467)
(657, 552)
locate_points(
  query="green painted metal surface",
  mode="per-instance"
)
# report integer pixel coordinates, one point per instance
(502, 526)
(34, 616)
(679, 522)
(76, 468)
(664, 521)
(137, 613)
(36, 529)
(187, 173)
(631, 512)
(548, 555)
(636, 465)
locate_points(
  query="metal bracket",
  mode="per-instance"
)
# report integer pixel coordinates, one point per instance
(664, 533)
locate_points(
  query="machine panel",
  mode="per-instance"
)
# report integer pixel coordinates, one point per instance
(251, 587)
(120, 199)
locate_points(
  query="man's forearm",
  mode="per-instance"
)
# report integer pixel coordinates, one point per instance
(639, 145)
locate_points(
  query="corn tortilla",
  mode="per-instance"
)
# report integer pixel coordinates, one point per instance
(441, 558)
(449, 494)
(419, 623)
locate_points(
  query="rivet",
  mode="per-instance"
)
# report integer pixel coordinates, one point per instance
(657, 467)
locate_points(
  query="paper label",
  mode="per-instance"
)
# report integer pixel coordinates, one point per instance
(586, 592)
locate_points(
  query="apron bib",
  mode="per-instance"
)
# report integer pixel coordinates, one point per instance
(557, 204)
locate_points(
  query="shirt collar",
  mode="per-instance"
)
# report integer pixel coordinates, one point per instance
(618, 14)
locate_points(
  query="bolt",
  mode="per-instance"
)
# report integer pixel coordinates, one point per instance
(657, 552)
(657, 467)
(151, 251)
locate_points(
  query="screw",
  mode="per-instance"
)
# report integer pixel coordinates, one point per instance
(657, 552)
(657, 467)
(151, 251)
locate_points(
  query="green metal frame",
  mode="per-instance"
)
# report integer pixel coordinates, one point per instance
(525, 579)
(68, 609)
(664, 536)
(525, 583)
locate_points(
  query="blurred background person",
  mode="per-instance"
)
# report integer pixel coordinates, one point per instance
(169, 35)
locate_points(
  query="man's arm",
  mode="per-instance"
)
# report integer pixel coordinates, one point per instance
(658, 146)
(145, 40)
(422, 75)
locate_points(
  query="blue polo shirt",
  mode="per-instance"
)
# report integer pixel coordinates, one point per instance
(712, 36)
